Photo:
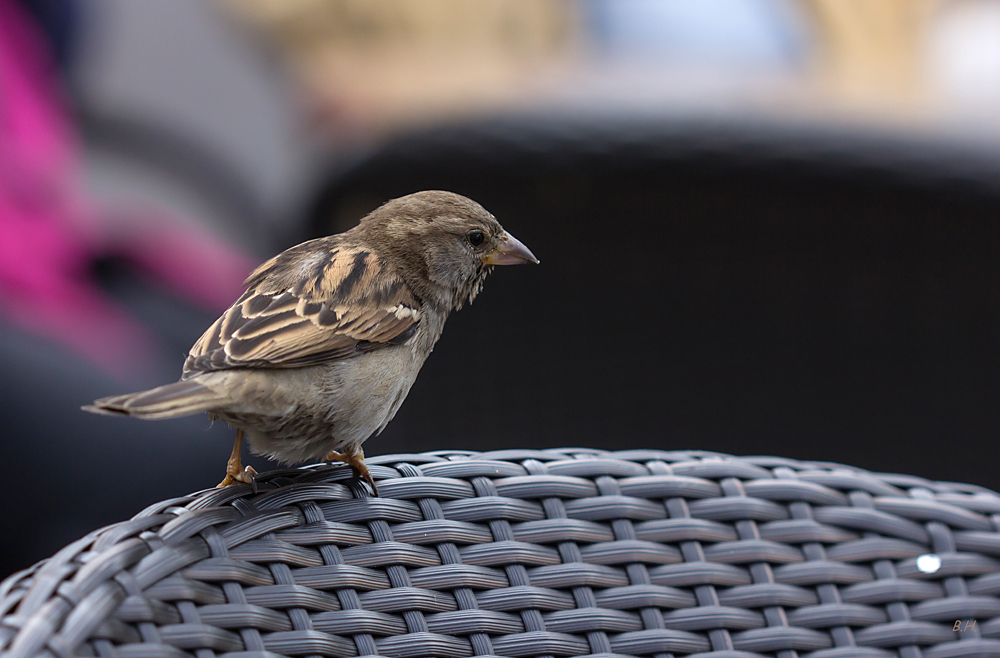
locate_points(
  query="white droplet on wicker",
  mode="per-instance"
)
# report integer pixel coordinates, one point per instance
(928, 563)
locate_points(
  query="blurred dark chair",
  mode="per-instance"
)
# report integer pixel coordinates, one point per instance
(737, 284)
(529, 553)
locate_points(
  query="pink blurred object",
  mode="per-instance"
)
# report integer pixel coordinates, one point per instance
(50, 233)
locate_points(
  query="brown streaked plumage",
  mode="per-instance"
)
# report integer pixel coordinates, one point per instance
(321, 350)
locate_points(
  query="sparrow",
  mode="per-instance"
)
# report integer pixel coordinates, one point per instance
(321, 350)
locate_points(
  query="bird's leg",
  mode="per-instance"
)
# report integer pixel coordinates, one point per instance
(355, 460)
(235, 472)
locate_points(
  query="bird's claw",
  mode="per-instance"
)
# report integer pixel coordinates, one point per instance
(367, 477)
(234, 474)
(356, 462)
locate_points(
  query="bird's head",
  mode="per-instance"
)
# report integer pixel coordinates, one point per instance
(443, 243)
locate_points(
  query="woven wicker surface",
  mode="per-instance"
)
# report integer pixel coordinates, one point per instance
(532, 553)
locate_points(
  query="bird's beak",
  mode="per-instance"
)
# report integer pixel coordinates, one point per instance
(510, 252)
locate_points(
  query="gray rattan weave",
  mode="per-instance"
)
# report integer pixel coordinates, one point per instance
(532, 553)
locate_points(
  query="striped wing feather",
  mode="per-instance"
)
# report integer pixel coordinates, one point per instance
(315, 303)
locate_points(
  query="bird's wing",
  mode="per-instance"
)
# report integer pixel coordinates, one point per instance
(321, 301)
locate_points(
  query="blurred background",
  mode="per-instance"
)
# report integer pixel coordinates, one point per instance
(766, 226)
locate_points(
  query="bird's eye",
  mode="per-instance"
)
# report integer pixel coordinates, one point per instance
(476, 238)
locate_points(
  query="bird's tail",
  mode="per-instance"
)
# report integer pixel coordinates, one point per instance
(181, 398)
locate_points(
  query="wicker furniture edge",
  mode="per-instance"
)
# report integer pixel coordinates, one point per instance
(531, 553)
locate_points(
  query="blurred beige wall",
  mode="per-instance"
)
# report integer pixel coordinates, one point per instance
(870, 52)
(370, 65)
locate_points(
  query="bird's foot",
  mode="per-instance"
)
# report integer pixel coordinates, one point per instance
(235, 471)
(238, 473)
(357, 462)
